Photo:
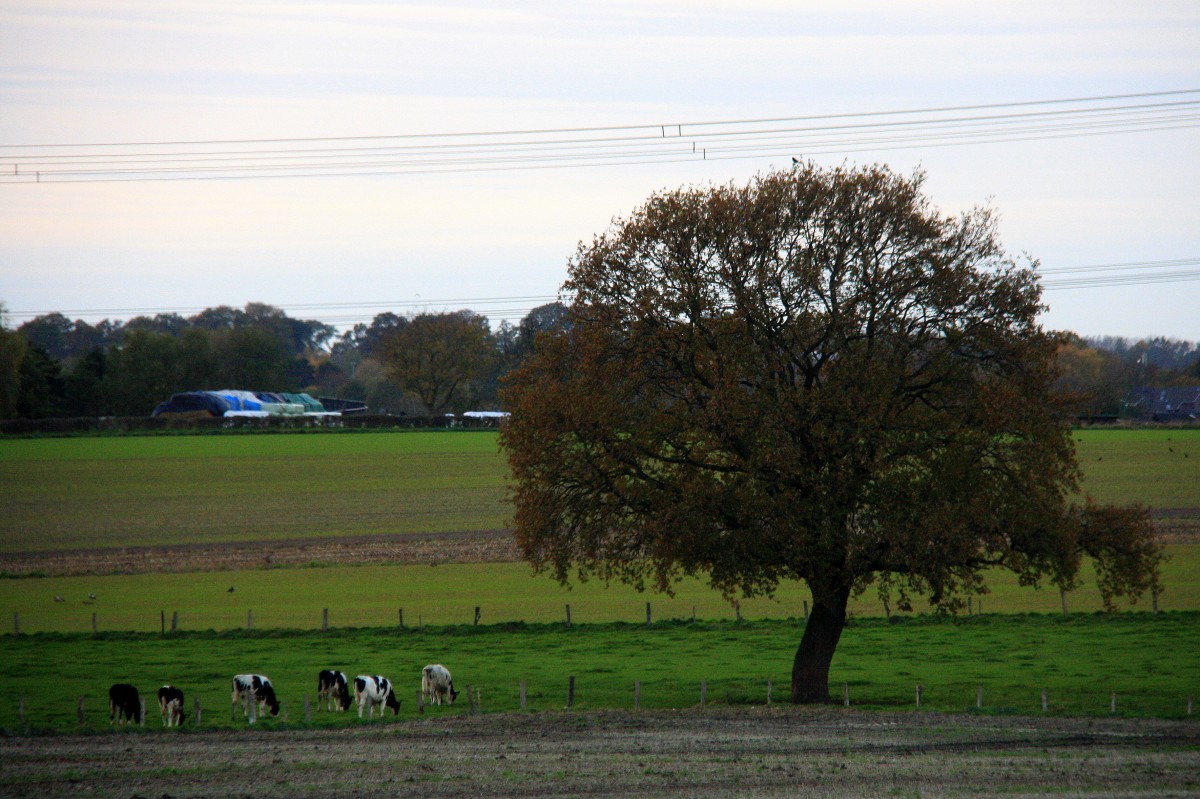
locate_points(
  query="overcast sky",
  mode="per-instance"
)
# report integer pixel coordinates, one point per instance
(344, 239)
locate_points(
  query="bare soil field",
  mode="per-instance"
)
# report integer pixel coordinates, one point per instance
(763, 752)
(1174, 526)
(491, 546)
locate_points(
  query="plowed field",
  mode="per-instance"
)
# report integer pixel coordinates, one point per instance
(765, 752)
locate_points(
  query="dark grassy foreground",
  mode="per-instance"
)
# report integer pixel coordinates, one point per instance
(1148, 661)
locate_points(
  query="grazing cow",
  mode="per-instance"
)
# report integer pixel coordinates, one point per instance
(255, 688)
(124, 704)
(170, 703)
(372, 691)
(333, 690)
(437, 685)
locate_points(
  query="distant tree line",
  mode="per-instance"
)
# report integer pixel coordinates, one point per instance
(424, 364)
(1099, 373)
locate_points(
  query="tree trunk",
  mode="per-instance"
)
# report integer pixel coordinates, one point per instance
(810, 670)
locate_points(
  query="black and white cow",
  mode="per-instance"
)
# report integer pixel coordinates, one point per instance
(124, 704)
(436, 685)
(254, 688)
(372, 691)
(333, 690)
(170, 703)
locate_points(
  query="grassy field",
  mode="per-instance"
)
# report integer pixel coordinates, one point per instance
(1157, 468)
(97, 492)
(73, 493)
(62, 494)
(1149, 661)
(370, 596)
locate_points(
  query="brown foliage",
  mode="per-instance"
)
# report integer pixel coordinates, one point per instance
(814, 376)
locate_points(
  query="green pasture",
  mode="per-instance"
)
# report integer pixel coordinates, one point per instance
(372, 596)
(70, 493)
(1156, 468)
(1147, 660)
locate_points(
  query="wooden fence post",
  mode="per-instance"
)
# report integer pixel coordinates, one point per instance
(162, 621)
(324, 619)
(979, 696)
(402, 618)
(770, 688)
(693, 614)
(570, 691)
(93, 622)
(476, 615)
(196, 710)
(846, 694)
(174, 620)
(703, 692)
(568, 614)
(21, 711)
(1189, 710)
(79, 711)
(919, 689)
(1112, 705)
(522, 694)
(637, 694)
(17, 624)
(647, 614)
(1045, 701)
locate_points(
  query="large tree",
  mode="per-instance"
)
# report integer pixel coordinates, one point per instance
(816, 376)
(12, 355)
(440, 358)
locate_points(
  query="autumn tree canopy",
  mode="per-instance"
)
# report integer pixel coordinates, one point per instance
(815, 376)
(440, 358)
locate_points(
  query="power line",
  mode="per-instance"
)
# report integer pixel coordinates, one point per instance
(1134, 273)
(1062, 270)
(664, 127)
(1123, 280)
(554, 148)
(568, 152)
(515, 308)
(510, 307)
